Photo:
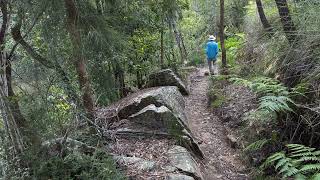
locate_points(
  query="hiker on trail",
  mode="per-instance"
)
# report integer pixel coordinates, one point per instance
(212, 51)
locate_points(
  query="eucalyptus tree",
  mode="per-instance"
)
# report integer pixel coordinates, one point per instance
(223, 49)
(289, 27)
(263, 18)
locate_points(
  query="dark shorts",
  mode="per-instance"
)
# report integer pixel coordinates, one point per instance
(211, 59)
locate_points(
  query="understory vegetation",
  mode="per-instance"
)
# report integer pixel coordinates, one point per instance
(278, 60)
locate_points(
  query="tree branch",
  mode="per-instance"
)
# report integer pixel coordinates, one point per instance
(24, 36)
(16, 35)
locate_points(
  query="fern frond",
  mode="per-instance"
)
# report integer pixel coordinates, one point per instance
(272, 159)
(301, 162)
(310, 168)
(257, 145)
(275, 103)
(307, 158)
(302, 154)
(291, 172)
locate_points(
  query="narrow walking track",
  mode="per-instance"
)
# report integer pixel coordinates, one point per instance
(221, 161)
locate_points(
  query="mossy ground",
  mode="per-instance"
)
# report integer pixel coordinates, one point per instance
(215, 93)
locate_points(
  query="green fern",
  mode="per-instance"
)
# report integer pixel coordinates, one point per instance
(257, 145)
(275, 103)
(300, 162)
(263, 86)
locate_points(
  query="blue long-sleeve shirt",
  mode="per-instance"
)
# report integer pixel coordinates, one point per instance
(212, 50)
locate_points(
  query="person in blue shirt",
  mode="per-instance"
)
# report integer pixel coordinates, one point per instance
(212, 51)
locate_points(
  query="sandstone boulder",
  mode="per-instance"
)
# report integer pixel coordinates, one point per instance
(137, 163)
(179, 177)
(167, 78)
(168, 96)
(159, 118)
(156, 109)
(180, 158)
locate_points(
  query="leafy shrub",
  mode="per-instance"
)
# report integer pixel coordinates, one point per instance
(233, 44)
(77, 166)
(300, 162)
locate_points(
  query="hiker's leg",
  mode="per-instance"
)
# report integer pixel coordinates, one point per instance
(210, 66)
(214, 66)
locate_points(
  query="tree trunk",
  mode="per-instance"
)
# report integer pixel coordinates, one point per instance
(224, 56)
(161, 49)
(178, 40)
(184, 48)
(119, 78)
(265, 23)
(78, 58)
(286, 20)
(14, 122)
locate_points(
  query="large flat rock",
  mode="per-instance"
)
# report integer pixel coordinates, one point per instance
(156, 109)
(168, 96)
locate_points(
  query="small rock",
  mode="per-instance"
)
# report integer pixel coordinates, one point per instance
(206, 73)
(232, 140)
(137, 163)
(179, 177)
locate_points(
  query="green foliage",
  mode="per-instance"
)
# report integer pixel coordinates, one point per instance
(218, 99)
(274, 98)
(263, 86)
(215, 94)
(275, 104)
(300, 162)
(77, 166)
(257, 145)
(233, 44)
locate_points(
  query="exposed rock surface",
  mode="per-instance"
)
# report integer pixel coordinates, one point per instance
(160, 96)
(179, 177)
(167, 78)
(158, 109)
(183, 161)
(159, 118)
(136, 163)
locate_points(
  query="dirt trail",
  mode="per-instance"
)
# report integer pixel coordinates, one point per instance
(221, 161)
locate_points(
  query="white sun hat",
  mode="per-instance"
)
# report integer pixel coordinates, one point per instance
(212, 38)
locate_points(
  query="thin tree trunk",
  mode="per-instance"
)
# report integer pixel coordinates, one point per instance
(286, 20)
(224, 56)
(265, 23)
(119, 78)
(173, 38)
(161, 49)
(178, 40)
(184, 48)
(78, 58)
